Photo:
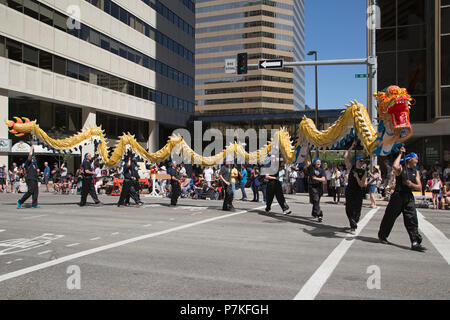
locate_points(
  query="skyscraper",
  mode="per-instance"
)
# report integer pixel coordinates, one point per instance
(299, 54)
(264, 30)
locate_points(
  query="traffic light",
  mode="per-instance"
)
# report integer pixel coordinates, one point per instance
(242, 63)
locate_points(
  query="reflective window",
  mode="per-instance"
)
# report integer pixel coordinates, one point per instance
(445, 20)
(412, 71)
(410, 12)
(387, 9)
(31, 8)
(445, 101)
(59, 65)
(46, 14)
(45, 60)
(30, 56)
(72, 69)
(386, 39)
(445, 67)
(60, 21)
(13, 50)
(411, 37)
(2, 47)
(16, 4)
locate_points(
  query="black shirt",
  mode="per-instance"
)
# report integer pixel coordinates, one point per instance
(400, 181)
(225, 172)
(315, 172)
(31, 170)
(353, 185)
(173, 173)
(128, 172)
(87, 166)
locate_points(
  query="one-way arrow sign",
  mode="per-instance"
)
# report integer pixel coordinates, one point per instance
(271, 64)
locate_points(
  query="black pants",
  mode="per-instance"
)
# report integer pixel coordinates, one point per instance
(228, 198)
(135, 188)
(401, 202)
(33, 190)
(274, 188)
(128, 190)
(329, 188)
(88, 188)
(337, 194)
(176, 191)
(353, 205)
(315, 193)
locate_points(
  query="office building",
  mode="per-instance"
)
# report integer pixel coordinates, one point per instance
(413, 49)
(262, 29)
(127, 65)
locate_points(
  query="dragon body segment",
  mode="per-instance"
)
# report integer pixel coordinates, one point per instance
(393, 128)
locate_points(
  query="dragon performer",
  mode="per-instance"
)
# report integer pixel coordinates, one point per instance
(393, 129)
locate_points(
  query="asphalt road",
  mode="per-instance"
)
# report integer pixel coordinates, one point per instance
(196, 251)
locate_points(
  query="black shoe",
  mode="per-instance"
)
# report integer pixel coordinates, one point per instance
(98, 204)
(319, 219)
(287, 211)
(352, 231)
(82, 205)
(267, 210)
(418, 247)
(140, 203)
(383, 240)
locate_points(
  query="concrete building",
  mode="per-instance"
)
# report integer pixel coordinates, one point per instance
(299, 55)
(127, 65)
(413, 49)
(262, 29)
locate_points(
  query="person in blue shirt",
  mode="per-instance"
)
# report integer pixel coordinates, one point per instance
(46, 175)
(243, 174)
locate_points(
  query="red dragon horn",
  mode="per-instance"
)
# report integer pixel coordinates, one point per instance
(26, 120)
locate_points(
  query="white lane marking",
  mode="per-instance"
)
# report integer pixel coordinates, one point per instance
(152, 206)
(44, 252)
(51, 263)
(436, 237)
(20, 259)
(147, 225)
(319, 278)
(1, 230)
(72, 245)
(171, 219)
(115, 233)
(96, 238)
(9, 262)
(35, 217)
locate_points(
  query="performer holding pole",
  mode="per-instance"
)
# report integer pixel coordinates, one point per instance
(225, 177)
(175, 184)
(357, 180)
(274, 188)
(316, 178)
(88, 181)
(407, 179)
(32, 181)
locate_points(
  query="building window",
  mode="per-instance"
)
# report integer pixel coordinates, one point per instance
(83, 73)
(60, 21)
(445, 20)
(45, 60)
(46, 15)
(16, 4)
(14, 50)
(94, 37)
(2, 47)
(30, 56)
(31, 8)
(445, 53)
(115, 10)
(72, 69)
(445, 101)
(59, 65)
(410, 12)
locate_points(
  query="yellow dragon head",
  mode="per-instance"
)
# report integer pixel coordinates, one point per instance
(21, 126)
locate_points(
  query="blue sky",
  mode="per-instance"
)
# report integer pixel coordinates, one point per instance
(336, 30)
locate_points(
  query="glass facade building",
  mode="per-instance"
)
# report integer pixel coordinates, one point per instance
(264, 30)
(413, 49)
